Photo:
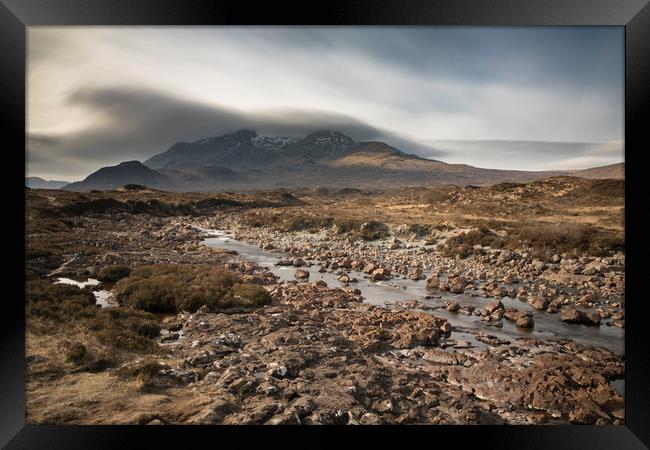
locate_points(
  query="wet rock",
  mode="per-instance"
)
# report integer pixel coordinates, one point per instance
(457, 285)
(537, 302)
(35, 359)
(591, 318)
(525, 322)
(453, 307)
(301, 274)
(493, 306)
(380, 274)
(571, 315)
(433, 282)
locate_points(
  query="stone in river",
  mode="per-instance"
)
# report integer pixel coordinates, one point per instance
(571, 315)
(301, 274)
(457, 285)
(493, 306)
(539, 303)
(433, 282)
(525, 322)
(453, 307)
(591, 318)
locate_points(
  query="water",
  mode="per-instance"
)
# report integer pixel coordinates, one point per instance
(619, 385)
(382, 293)
(104, 298)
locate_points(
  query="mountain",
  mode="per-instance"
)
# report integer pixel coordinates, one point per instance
(129, 172)
(612, 171)
(246, 160)
(40, 183)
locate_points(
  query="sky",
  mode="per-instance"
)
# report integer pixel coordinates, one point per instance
(529, 98)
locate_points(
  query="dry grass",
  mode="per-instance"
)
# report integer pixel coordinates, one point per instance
(168, 288)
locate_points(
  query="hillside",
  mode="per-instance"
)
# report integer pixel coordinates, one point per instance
(246, 160)
(129, 172)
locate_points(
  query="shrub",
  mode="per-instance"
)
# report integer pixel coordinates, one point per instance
(543, 238)
(144, 372)
(123, 328)
(369, 231)
(419, 230)
(463, 244)
(75, 353)
(113, 273)
(433, 197)
(167, 288)
(251, 295)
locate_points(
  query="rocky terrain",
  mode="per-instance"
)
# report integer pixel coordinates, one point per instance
(319, 353)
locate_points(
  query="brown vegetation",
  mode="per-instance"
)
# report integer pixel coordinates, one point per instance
(168, 288)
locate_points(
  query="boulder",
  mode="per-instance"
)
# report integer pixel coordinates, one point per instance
(433, 282)
(525, 322)
(571, 315)
(457, 285)
(493, 306)
(301, 274)
(539, 303)
(591, 318)
(453, 307)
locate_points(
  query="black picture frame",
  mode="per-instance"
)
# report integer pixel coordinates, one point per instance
(634, 15)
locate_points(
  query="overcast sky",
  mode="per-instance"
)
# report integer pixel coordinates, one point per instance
(514, 98)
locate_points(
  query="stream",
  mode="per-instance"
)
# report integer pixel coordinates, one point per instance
(386, 293)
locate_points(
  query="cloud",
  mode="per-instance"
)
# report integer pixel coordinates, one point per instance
(99, 90)
(540, 155)
(137, 123)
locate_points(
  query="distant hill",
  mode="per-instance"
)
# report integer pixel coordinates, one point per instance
(612, 171)
(129, 172)
(327, 158)
(40, 183)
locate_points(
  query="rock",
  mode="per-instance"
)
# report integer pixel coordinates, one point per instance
(380, 274)
(457, 285)
(384, 406)
(591, 318)
(525, 322)
(446, 329)
(277, 371)
(498, 292)
(537, 302)
(571, 315)
(453, 307)
(369, 268)
(344, 278)
(298, 262)
(493, 306)
(433, 282)
(301, 274)
(370, 419)
(513, 315)
(35, 359)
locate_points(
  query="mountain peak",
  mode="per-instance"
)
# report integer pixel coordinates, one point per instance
(244, 133)
(328, 137)
(133, 164)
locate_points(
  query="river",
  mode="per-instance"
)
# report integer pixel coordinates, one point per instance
(381, 293)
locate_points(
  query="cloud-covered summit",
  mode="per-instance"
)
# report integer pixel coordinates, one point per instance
(100, 95)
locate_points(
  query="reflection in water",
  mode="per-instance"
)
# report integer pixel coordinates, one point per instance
(103, 297)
